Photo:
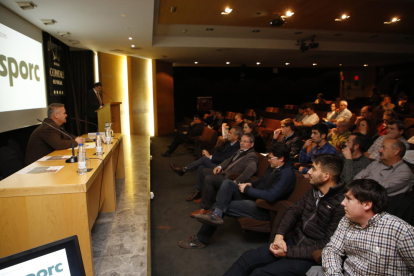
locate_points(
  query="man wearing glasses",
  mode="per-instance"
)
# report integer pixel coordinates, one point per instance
(291, 139)
(239, 200)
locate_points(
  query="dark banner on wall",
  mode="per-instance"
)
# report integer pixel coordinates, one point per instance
(55, 72)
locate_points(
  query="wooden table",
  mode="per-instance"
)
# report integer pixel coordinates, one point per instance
(36, 209)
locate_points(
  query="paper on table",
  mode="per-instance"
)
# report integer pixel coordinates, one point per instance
(57, 157)
(34, 170)
(87, 146)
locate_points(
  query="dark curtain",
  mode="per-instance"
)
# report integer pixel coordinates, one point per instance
(81, 78)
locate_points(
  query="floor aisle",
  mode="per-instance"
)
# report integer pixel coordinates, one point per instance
(170, 222)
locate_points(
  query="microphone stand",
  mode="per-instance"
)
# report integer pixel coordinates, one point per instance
(80, 120)
(74, 158)
(108, 96)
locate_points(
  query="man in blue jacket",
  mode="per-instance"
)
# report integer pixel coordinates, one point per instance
(239, 200)
(211, 160)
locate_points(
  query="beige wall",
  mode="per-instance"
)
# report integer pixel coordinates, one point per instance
(140, 73)
(112, 75)
(163, 98)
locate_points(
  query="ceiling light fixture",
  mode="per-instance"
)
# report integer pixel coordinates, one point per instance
(26, 5)
(48, 21)
(227, 62)
(365, 65)
(312, 44)
(314, 64)
(123, 15)
(133, 46)
(195, 62)
(288, 14)
(74, 42)
(227, 11)
(340, 64)
(256, 31)
(395, 19)
(277, 21)
(130, 38)
(258, 63)
(343, 17)
(210, 29)
(63, 33)
(287, 63)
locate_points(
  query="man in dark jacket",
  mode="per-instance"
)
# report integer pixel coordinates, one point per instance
(195, 130)
(319, 211)
(239, 200)
(211, 160)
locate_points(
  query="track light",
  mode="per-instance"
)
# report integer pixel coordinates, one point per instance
(304, 47)
(277, 21)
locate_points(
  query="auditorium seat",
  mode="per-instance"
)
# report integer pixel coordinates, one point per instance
(9, 162)
(276, 209)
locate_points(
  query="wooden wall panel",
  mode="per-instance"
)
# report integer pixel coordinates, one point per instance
(164, 98)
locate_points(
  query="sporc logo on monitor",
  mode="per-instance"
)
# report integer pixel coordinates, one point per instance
(26, 70)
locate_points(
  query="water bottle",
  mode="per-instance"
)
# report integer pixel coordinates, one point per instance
(108, 137)
(81, 159)
(99, 151)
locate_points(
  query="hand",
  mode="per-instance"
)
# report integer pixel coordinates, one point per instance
(307, 143)
(298, 123)
(243, 185)
(276, 133)
(278, 252)
(217, 170)
(334, 131)
(192, 123)
(80, 140)
(206, 153)
(301, 168)
(347, 153)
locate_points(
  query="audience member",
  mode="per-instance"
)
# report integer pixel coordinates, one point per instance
(243, 162)
(340, 134)
(365, 113)
(354, 158)
(319, 212)
(375, 97)
(209, 119)
(218, 121)
(367, 128)
(239, 119)
(389, 115)
(386, 104)
(390, 171)
(211, 160)
(44, 139)
(196, 129)
(320, 99)
(310, 119)
(301, 113)
(395, 130)
(330, 113)
(342, 112)
(319, 137)
(290, 138)
(402, 106)
(259, 144)
(369, 241)
(239, 200)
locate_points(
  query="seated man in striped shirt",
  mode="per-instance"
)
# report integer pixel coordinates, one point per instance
(373, 241)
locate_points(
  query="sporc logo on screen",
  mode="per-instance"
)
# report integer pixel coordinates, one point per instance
(22, 76)
(27, 70)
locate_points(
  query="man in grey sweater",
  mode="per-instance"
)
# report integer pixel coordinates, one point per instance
(354, 158)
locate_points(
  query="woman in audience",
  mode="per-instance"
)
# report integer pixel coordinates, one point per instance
(368, 128)
(330, 113)
(259, 145)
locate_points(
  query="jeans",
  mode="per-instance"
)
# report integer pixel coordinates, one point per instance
(201, 164)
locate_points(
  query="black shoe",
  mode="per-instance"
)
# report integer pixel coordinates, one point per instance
(211, 219)
(166, 154)
(177, 169)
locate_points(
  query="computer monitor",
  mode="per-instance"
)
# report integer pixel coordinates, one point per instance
(59, 258)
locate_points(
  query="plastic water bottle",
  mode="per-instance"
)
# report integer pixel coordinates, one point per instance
(108, 137)
(99, 151)
(81, 159)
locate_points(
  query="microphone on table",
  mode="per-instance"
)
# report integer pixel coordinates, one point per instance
(74, 158)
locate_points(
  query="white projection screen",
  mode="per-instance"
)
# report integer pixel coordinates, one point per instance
(22, 77)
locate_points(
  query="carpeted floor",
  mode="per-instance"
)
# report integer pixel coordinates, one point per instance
(171, 222)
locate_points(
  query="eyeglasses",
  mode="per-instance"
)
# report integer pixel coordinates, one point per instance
(283, 126)
(271, 158)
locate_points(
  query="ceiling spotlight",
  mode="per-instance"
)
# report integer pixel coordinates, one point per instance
(26, 5)
(210, 29)
(343, 17)
(256, 31)
(277, 21)
(395, 19)
(257, 63)
(287, 63)
(289, 13)
(314, 64)
(123, 15)
(63, 33)
(340, 64)
(195, 62)
(133, 46)
(130, 38)
(365, 65)
(227, 11)
(227, 62)
(48, 21)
